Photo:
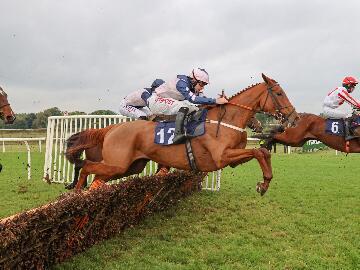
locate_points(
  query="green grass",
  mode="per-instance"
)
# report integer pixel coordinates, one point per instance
(309, 219)
(17, 193)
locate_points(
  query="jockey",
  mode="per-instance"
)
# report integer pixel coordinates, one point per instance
(340, 95)
(180, 97)
(337, 97)
(134, 104)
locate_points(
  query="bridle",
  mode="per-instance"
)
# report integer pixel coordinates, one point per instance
(3, 105)
(275, 100)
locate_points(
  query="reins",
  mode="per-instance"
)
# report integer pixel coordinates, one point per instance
(220, 116)
(276, 102)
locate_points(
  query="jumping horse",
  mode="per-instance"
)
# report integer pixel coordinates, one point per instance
(126, 148)
(312, 127)
(94, 154)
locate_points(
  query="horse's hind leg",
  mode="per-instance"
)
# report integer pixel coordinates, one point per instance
(75, 179)
(102, 170)
(135, 168)
(82, 180)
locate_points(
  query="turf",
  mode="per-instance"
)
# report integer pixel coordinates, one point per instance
(309, 219)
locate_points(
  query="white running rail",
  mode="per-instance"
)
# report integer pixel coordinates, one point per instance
(25, 140)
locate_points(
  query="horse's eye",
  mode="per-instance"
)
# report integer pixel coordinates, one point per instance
(279, 94)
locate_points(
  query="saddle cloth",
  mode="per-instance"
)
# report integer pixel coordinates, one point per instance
(194, 126)
(337, 126)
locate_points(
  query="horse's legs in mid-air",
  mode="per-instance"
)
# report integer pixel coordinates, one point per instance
(162, 170)
(104, 172)
(295, 136)
(264, 186)
(239, 156)
(101, 170)
(76, 179)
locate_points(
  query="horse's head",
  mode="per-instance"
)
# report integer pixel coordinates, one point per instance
(6, 113)
(273, 100)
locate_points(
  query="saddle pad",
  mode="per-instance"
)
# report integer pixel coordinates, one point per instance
(164, 131)
(335, 127)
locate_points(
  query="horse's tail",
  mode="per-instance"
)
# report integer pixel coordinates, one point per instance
(80, 141)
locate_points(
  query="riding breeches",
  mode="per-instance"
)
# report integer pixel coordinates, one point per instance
(132, 111)
(334, 113)
(168, 106)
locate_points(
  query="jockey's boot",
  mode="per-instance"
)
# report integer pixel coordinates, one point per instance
(348, 134)
(180, 134)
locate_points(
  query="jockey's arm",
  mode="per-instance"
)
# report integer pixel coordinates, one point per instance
(145, 95)
(183, 88)
(344, 95)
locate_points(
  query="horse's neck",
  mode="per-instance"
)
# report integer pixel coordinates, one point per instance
(233, 114)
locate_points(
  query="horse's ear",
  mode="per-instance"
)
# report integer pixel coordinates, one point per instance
(266, 79)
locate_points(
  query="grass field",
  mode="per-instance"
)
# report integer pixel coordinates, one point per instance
(309, 219)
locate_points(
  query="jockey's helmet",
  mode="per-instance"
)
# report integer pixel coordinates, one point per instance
(200, 75)
(350, 82)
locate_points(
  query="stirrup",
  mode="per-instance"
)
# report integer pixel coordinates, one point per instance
(180, 138)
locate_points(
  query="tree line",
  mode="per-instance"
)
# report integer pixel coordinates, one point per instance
(40, 119)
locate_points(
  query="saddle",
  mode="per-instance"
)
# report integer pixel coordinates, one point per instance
(165, 127)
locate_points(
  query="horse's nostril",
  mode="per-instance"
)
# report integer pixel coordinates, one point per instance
(10, 118)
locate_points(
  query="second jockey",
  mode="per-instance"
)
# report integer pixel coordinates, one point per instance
(134, 105)
(337, 97)
(180, 97)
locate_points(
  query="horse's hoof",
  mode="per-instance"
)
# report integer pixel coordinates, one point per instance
(97, 183)
(162, 172)
(260, 189)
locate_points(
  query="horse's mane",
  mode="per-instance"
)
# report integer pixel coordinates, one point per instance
(238, 93)
(244, 90)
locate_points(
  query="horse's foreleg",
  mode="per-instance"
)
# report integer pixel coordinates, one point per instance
(263, 187)
(239, 156)
(291, 136)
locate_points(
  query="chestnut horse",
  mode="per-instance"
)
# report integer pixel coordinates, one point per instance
(312, 127)
(6, 113)
(94, 153)
(126, 148)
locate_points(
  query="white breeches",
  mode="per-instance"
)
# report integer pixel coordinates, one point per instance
(168, 106)
(133, 112)
(334, 113)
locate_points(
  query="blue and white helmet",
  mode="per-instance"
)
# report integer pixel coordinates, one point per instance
(200, 74)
